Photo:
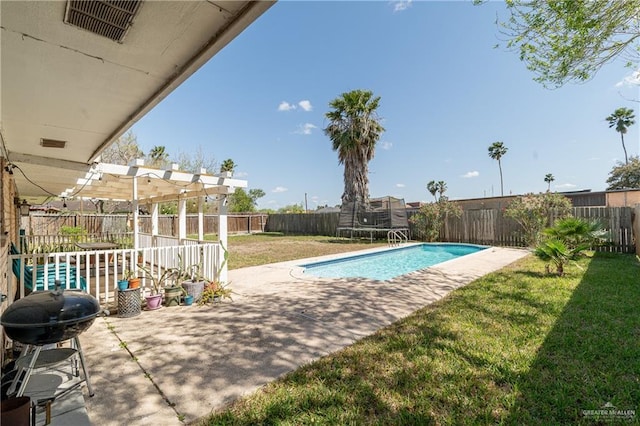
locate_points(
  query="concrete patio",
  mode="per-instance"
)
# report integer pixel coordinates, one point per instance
(175, 365)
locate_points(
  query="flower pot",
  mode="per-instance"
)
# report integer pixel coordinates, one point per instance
(123, 284)
(153, 301)
(134, 282)
(188, 300)
(16, 411)
(194, 288)
(172, 296)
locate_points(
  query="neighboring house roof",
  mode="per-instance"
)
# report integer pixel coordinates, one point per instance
(63, 85)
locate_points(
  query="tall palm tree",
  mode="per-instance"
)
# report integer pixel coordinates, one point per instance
(354, 129)
(549, 178)
(496, 151)
(622, 118)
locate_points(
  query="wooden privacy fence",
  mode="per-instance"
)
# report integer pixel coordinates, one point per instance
(50, 224)
(303, 223)
(481, 226)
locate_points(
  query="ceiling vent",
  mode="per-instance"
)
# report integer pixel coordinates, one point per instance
(52, 143)
(107, 18)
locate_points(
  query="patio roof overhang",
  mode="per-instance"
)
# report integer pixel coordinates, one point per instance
(68, 92)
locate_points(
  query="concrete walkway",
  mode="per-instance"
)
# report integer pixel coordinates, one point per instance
(190, 360)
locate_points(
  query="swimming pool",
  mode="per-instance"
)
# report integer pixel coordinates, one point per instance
(390, 263)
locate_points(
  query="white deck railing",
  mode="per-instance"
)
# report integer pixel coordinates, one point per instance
(100, 270)
(46, 243)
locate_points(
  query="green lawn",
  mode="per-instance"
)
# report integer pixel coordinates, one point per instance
(515, 347)
(260, 249)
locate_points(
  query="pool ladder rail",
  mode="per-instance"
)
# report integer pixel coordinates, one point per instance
(395, 237)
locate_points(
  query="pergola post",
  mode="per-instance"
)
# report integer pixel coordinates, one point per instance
(200, 218)
(182, 220)
(134, 198)
(155, 215)
(222, 235)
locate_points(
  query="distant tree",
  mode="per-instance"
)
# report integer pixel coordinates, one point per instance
(431, 217)
(496, 151)
(442, 188)
(123, 150)
(625, 176)
(354, 129)
(439, 187)
(168, 208)
(432, 187)
(292, 208)
(196, 160)
(549, 178)
(158, 156)
(621, 119)
(571, 40)
(228, 166)
(535, 212)
(243, 201)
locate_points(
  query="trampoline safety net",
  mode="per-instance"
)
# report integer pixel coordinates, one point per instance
(378, 215)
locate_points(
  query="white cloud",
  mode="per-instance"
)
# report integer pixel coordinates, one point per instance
(471, 174)
(271, 202)
(400, 185)
(399, 6)
(305, 105)
(286, 106)
(386, 145)
(280, 189)
(565, 186)
(305, 129)
(240, 174)
(632, 79)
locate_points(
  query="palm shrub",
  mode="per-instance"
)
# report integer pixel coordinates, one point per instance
(567, 240)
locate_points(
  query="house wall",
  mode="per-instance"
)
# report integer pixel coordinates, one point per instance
(623, 198)
(8, 232)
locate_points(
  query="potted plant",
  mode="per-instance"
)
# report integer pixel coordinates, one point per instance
(123, 285)
(132, 277)
(164, 281)
(190, 279)
(215, 291)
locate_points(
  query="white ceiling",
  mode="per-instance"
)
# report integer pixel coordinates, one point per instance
(61, 82)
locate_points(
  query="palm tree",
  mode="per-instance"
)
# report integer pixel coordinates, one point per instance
(549, 178)
(354, 129)
(158, 156)
(432, 187)
(496, 151)
(622, 118)
(227, 166)
(442, 188)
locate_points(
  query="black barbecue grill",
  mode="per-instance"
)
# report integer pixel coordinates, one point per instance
(44, 318)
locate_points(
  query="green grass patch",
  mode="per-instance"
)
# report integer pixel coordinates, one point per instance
(259, 249)
(514, 347)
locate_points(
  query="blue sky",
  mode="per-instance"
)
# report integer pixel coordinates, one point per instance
(446, 94)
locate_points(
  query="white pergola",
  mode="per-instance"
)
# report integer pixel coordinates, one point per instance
(144, 185)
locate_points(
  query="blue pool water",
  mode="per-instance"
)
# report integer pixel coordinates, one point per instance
(389, 264)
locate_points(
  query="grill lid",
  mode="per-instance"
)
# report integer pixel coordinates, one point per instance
(48, 308)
